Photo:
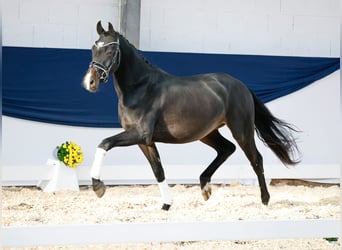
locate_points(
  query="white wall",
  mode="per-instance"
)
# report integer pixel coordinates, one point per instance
(56, 23)
(268, 27)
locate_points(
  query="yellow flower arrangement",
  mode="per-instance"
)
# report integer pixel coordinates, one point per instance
(70, 154)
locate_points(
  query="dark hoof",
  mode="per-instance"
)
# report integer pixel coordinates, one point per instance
(206, 191)
(166, 207)
(265, 199)
(99, 187)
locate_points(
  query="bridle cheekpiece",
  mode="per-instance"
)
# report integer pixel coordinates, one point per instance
(104, 71)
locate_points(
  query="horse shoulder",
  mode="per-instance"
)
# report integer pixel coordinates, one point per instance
(140, 106)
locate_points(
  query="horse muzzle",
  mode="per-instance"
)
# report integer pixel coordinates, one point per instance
(91, 80)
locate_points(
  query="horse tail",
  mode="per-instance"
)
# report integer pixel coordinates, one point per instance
(275, 133)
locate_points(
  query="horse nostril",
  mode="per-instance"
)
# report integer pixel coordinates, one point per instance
(90, 80)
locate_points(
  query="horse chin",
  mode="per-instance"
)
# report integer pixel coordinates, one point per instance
(91, 81)
(91, 89)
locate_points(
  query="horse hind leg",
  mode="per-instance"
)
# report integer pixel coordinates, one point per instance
(259, 170)
(247, 144)
(224, 149)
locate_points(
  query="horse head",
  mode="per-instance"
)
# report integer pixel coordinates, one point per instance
(105, 58)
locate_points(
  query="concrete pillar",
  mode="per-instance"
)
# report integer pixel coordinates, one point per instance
(130, 20)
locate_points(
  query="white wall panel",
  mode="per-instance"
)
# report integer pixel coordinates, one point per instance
(286, 27)
(311, 7)
(56, 23)
(269, 27)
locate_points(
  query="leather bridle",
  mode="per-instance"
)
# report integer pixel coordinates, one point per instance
(103, 70)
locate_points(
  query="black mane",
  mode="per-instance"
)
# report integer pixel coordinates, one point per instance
(136, 50)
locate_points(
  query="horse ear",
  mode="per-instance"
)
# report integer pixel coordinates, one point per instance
(110, 28)
(99, 28)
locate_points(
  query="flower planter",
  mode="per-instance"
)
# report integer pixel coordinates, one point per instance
(62, 178)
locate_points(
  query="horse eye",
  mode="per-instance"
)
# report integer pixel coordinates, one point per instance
(109, 52)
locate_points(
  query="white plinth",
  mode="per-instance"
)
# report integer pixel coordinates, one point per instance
(63, 178)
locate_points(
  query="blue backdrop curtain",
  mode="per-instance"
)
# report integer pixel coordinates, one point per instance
(44, 84)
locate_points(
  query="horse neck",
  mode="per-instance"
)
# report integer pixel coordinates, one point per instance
(133, 69)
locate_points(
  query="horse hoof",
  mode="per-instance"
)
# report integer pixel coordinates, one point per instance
(166, 207)
(99, 187)
(265, 199)
(206, 192)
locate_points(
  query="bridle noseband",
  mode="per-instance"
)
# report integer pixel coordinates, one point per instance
(104, 71)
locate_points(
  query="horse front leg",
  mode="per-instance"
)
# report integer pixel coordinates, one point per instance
(152, 155)
(126, 138)
(95, 172)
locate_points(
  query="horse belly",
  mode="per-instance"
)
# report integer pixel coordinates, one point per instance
(190, 110)
(183, 128)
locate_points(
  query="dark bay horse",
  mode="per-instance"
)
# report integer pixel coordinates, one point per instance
(155, 106)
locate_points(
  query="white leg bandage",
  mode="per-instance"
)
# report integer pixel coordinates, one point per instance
(95, 171)
(165, 192)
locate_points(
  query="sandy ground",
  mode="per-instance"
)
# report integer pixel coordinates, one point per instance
(31, 206)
